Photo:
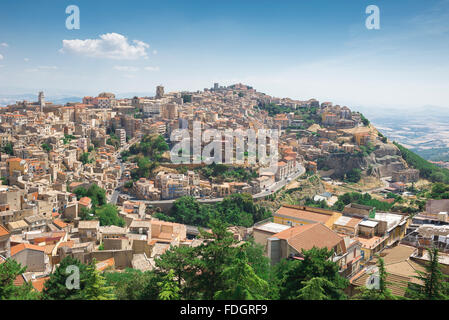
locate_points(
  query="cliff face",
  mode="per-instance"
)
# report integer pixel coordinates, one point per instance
(385, 159)
(341, 163)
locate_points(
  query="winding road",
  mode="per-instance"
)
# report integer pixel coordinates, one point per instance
(271, 189)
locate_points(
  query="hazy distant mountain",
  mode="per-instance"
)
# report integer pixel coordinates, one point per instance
(6, 99)
(425, 128)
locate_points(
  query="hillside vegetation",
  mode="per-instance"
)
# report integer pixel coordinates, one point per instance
(426, 169)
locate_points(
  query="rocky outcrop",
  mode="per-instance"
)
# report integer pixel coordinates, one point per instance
(384, 160)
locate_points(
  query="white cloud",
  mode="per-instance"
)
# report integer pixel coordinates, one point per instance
(41, 68)
(47, 68)
(109, 45)
(4, 44)
(151, 68)
(154, 52)
(1, 57)
(26, 59)
(126, 68)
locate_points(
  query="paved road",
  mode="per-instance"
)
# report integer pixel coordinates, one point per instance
(280, 184)
(272, 189)
(116, 192)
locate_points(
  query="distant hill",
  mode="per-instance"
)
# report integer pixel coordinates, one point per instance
(434, 154)
(426, 169)
(56, 99)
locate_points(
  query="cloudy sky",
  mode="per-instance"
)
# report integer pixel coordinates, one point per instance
(300, 49)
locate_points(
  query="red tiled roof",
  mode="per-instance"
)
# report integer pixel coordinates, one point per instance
(310, 235)
(20, 247)
(3, 231)
(38, 284)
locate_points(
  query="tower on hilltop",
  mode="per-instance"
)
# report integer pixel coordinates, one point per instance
(41, 100)
(159, 92)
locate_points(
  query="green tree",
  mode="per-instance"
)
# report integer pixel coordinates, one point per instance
(56, 289)
(241, 282)
(187, 210)
(314, 289)
(178, 260)
(95, 287)
(91, 286)
(240, 210)
(46, 147)
(354, 175)
(85, 158)
(381, 293)
(108, 216)
(94, 192)
(87, 214)
(426, 169)
(169, 287)
(8, 148)
(9, 271)
(316, 263)
(217, 252)
(127, 285)
(435, 284)
(132, 284)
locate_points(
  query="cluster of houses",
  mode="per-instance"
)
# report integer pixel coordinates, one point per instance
(357, 236)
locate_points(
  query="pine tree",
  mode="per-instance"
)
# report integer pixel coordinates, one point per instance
(169, 289)
(435, 283)
(91, 286)
(241, 282)
(9, 271)
(216, 253)
(314, 289)
(316, 264)
(381, 293)
(95, 285)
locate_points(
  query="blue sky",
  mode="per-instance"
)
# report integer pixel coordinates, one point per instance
(301, 49)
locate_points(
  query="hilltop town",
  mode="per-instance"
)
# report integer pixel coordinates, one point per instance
(93, 180)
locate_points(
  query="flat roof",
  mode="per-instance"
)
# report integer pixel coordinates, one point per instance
(305, 213)
(391, 218)
(347, 221)
(272, 227)
(369, 223)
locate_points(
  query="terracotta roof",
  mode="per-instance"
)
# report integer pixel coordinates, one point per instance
(396, 283)
(59, 223)
(310, 235)
(103, 265)
(69, 244)
(349, 222)
(49, 248)
(85, 201)
(20, 247)
(19, 280)
(3, 231)
(299, 213)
